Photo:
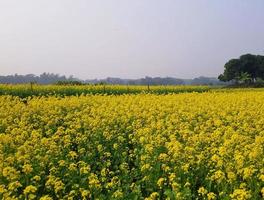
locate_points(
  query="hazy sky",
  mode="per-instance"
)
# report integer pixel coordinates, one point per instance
(127, 38)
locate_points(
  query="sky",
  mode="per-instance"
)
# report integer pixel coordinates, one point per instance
(127, 38)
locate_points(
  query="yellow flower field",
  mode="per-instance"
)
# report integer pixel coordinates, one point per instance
(25, 90)
(144, 146)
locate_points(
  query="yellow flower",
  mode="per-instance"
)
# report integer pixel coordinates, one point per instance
(142, 139)
(261, 177)
(93, 181)
(62, 163)
(36, 178)
(86, 194)
(202, 191)
(72, 167)
(115, 146)
(100, 148)
(14, 185)
(153, 196)
(248, 172)
(58, 186)
(211, 196)
(231, 176)
(30, 190)
(145, 167)
(218, 176)
(185, 167)
(73, 154)
(262, 192)
(104, 172)
(117, 194)
(240, 194)
(10, 173)
(172, 176)
(2, 189)
(27, 168)
(31, 196)
(85, 169)
(161, 182)
(175, 186)
(46, 197)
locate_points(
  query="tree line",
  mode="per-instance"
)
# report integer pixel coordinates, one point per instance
(44, 78)
(50, 78)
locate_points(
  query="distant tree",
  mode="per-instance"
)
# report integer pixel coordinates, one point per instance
(247, 68)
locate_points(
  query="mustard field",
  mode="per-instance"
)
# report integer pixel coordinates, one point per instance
(26, 90)
(206, 145)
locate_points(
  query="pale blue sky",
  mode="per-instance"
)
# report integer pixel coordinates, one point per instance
(127, 38)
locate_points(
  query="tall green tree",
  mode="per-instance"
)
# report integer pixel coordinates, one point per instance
(247, 67)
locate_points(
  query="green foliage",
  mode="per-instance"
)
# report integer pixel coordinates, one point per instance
(246, 69)
(244, 77)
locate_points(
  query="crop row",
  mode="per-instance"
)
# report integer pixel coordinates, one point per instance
(68, 90)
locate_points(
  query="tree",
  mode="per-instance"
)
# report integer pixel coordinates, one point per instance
(232, 69)
(247, 68)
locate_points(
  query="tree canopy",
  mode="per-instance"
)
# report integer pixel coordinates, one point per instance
(247, 68)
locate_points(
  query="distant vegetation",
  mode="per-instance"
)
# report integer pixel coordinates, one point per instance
(50, 78)
(45, 78)
(69, 83)
(247, 70)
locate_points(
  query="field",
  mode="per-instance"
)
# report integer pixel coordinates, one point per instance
(150, 144)
(58, 90)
